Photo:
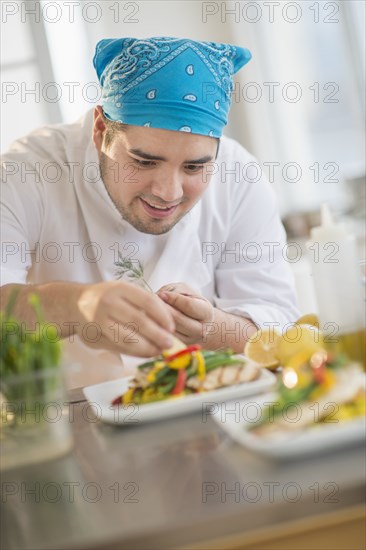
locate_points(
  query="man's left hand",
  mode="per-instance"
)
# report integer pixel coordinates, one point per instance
(191, 311)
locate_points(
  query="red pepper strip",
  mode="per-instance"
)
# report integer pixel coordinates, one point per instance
(117, 401)
(181, 382)
(189, 349)
(319, 373)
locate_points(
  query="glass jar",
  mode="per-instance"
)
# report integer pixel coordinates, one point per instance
(34, 420)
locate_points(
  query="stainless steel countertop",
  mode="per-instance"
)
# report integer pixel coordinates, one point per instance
(166, 484)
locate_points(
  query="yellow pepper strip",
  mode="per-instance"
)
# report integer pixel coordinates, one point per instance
(151, 377)
(148, 393)
(201, 365)
(128, 396)
(177, 346)
(181, 362)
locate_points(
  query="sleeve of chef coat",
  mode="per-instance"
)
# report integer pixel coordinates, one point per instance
(254, 279)
(21, 207)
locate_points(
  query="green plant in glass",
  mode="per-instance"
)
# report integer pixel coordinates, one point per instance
(29, 360)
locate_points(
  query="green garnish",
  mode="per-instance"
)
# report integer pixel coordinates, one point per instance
(132, 270)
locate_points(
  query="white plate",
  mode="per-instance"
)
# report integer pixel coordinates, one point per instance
(100, 397)
(288, 444)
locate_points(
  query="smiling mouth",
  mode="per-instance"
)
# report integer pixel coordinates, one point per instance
(158, 211)
(159, 207)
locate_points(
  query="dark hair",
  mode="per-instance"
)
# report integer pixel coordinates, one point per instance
(112, 129)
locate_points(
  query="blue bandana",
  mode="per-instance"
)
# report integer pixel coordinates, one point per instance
(170, 83)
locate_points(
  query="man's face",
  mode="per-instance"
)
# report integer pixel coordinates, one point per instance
(153, 176)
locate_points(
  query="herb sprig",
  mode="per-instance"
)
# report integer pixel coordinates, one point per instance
(131, 270)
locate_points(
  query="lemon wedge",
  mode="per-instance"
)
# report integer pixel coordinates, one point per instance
(262, 346)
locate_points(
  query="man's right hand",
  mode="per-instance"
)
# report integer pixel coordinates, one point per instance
(115, 315)
(129, 319)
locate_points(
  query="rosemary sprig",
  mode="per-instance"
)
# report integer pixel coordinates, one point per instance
(131, 270)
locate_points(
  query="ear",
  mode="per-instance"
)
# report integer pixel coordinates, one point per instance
(98, 128)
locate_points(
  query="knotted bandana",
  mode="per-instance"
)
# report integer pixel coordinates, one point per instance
(170, 83)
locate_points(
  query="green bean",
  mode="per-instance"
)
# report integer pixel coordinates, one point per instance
(147, 364)
(168, 387)
(223, 363)
(164, 375)
(216, 359)
(214, 362)
(191, 371)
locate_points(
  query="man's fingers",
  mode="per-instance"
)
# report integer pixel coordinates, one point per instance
(128, 319)
(185, 326)
(131, 320)
(152, 306)
(182, 288)
(141, 349)
(193, 307)
(184, 338)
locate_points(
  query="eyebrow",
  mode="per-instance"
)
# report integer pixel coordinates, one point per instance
(147, 156)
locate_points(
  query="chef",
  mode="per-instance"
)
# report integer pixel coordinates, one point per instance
(141, 221)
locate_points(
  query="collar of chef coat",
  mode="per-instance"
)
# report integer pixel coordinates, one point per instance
(180, 256)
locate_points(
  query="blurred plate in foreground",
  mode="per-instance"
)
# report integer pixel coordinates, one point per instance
(288, 442)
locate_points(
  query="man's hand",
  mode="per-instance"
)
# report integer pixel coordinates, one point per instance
(198, 321)
(190, 311)
(130, 319)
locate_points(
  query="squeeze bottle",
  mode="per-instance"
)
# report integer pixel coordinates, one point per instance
(338, 288)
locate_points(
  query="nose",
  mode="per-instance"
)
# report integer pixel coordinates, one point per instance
(167, 185)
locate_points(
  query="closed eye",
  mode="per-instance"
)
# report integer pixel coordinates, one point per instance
(144, 163)
(194, 167)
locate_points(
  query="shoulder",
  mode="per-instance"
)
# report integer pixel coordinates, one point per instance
(51, 142)
(235, 170)
(239, 188)
(232, 149)
(36, 169)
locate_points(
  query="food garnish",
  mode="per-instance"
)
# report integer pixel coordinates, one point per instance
(271, 349)
(131, 270)
(185, 370)
(322, 388)
(262, 348)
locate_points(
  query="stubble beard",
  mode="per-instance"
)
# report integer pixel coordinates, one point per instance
(157, 227)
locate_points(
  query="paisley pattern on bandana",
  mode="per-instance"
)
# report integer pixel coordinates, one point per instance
(176, 84)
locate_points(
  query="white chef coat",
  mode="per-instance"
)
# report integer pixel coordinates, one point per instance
(59, 223)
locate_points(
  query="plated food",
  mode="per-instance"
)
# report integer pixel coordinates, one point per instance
(324, 389)
(313, 378)
(186, 370)
(319, 406)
